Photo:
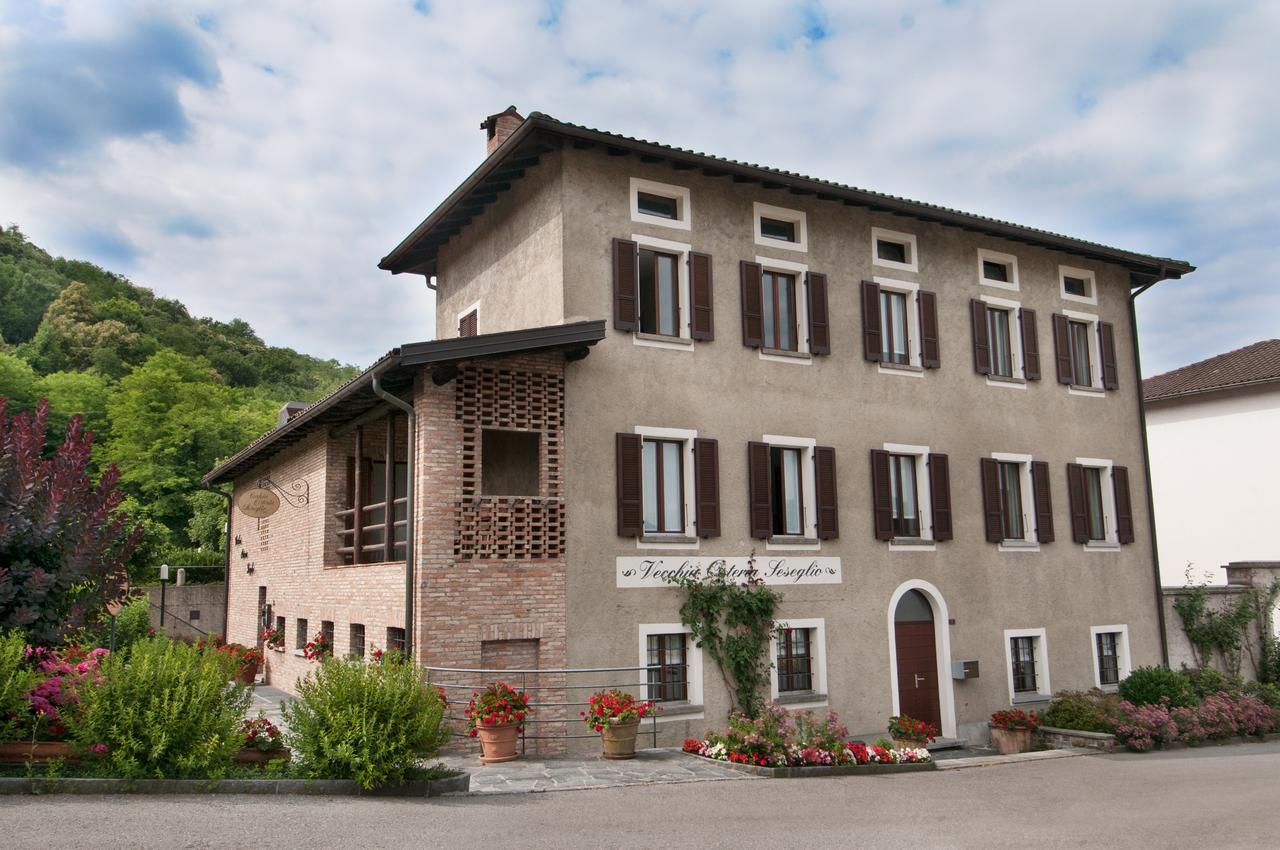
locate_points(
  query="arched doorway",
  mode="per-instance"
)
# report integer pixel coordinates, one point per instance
(915, 642)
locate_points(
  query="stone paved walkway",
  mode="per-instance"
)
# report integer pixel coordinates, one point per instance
(531, 774)
(268, 700)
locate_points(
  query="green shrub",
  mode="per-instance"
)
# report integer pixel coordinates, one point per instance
(16, 680)
(1148, 685)
(1207, 681)
(167, 710)
(1268, 692)
(1086, 711)
(367, 722)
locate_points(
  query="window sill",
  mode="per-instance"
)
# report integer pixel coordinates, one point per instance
(801, 698)
(1006, 382)
(279, 649)
(1091, 392)
(1019, 546)
(658, 221)
(1101, 546)
(906, 369)
(1000, 284)
(783, 352)
(784, 542)
(681, 341)
(1030, 699)
(667, 538)
(298, 653)
(919, 544)
(1109, 689)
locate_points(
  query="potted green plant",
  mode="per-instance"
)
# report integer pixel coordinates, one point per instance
(496, 716)
(616, 715)
(909, 733)
(1011, 730)
(262, 742)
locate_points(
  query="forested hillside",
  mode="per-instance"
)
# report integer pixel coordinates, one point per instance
(166, 394)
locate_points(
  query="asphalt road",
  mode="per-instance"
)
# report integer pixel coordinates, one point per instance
(1205, 798)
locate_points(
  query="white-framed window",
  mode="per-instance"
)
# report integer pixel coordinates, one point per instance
(997, 269)
(660, 204)
(798, 659)
(1110, 649)
(894, 249)
(662, 290)
(667, 488)
(1077, 285)
(911, 497)
(1004, 336)
(795, 514)
(1017, 502)
(786, 311)
(899, 327)
(673, 669)
(1026, 653)
(779, 227)
(469, 320)
(1086, 354)
(1099, 504)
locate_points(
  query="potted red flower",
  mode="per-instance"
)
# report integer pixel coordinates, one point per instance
(616, 715)
(262, 742)
(1011, 730)
(318, 648)
(247, 659)
(273, 638)
(909, 733)
(496, 716)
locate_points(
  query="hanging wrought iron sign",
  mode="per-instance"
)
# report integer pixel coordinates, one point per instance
(264, 500)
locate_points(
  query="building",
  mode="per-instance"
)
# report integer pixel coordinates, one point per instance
(922, 424)
(1211, 426)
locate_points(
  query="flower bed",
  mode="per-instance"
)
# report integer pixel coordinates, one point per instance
(1216, 717)
(780, 743)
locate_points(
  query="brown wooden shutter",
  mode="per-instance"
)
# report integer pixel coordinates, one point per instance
(824, 461)
(625, 295)
(1030, 344)
(752, 305)
(1107, 348)
(881, 495)
(1124, 508)
(630, 493)
(819, 318)
(1043, 499)
(468, 324)
(1062, 348)
(981, 342)
(759, 496)
(992, 519)
(940, 495)
(930, 350)
(1079, 507)
(701, 295)
(871, 340)
(706, 466)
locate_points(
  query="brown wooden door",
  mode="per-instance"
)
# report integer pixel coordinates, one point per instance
(917, 672)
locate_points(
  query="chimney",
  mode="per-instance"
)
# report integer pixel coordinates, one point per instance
(290, 410)
(500, 125)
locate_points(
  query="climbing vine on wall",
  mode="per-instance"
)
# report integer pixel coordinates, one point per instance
(1225, 631)
(733, 623)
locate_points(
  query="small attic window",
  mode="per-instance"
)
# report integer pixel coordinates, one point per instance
(660, 204)
(894, 250)
(657, 205)
(509, 463)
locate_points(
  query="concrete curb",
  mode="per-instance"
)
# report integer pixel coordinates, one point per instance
(1038, 755)
(276, 787)
(819, 771)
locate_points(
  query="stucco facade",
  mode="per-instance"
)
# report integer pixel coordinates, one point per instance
(540, 252)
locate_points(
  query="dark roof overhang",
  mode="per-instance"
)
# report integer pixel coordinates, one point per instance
(396, 371)
(541, 134)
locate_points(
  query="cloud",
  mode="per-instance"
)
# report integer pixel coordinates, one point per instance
(260, 162)
(64, 95)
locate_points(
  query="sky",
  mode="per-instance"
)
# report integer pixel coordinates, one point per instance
(257, 159)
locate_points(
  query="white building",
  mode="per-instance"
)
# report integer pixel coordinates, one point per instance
(1214, 434)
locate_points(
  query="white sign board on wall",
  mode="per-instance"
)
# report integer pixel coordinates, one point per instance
(659, 570)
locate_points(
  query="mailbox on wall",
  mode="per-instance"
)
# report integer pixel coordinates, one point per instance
(964, 669)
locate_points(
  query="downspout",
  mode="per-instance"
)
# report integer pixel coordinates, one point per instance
(226, 577)
(1146, 462)
(410, 494)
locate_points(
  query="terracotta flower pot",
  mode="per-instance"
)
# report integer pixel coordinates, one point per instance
(1011, 741)
(498, 743)
(248, 673)
(21, 752)
(253, 755)
(619, 739)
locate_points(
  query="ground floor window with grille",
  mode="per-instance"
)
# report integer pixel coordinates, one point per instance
(1108, 658)
(795, 660)
(395, 638)
(1023, 652)
(301, 637)
(357, 640)
(668, 673)
(326, 631)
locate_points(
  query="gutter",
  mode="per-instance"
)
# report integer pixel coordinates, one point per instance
(1163, 274)
(410, 494)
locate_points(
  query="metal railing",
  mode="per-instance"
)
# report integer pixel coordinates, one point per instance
(571, 697)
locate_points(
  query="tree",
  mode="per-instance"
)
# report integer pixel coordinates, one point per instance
(70, 393)
(63, 539)
(172, 419)
(207, 526)
(16, 380)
